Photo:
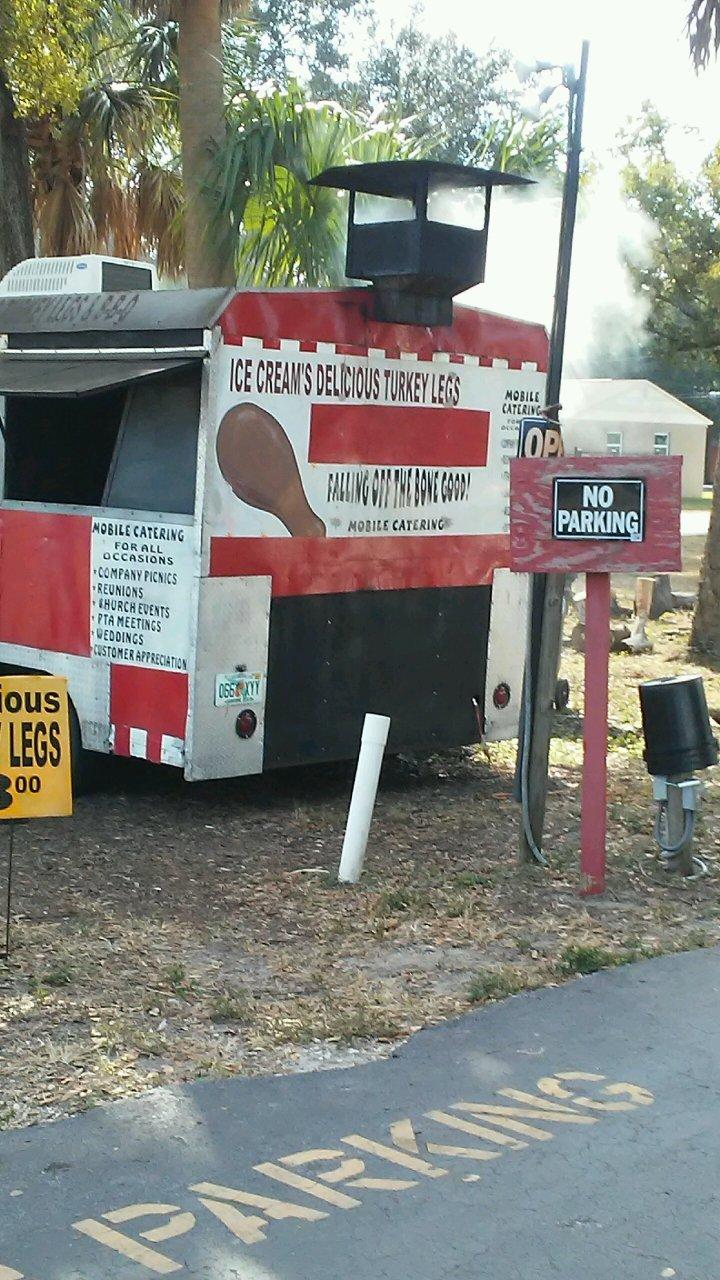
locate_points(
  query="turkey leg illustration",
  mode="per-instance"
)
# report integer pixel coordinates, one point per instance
(257, 461)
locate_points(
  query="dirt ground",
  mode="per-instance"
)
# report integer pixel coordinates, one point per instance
(167, 931)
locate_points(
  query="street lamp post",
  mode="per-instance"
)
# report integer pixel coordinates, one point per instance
(547, 593)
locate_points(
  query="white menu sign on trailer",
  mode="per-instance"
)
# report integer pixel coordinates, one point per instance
(141, 580)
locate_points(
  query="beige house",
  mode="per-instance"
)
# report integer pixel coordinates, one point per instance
(632, 415)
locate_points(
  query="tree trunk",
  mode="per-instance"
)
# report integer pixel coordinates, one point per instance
(16, 228)
(705, 634)
(201, 126)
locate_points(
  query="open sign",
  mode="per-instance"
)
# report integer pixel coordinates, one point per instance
(586, 507)
(540, 438)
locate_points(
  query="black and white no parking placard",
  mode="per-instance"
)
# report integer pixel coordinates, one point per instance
(599, 510)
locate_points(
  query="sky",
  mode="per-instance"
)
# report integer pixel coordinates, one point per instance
(638, 52)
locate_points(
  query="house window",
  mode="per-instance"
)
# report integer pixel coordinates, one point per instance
(613, 442)
(661, 444)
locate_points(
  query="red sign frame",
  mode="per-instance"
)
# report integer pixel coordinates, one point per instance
(533, 549)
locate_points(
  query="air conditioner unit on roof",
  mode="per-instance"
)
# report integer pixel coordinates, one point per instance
(91, 273)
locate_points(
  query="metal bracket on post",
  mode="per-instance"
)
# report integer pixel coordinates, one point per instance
(678, 800)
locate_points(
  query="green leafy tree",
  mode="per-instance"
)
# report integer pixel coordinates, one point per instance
(443, 87)
(302, 39)
(43, 68)
(459, 99)
(83, 151)
(680, 280)
(126, 153)
(679, 272)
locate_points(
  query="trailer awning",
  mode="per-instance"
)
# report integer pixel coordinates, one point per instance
(60, 376)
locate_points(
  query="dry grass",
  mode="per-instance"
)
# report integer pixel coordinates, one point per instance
(168, 932)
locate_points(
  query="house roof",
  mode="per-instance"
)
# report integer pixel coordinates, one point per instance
(625, 400)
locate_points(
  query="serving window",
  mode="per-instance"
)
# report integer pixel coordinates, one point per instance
(126, 446)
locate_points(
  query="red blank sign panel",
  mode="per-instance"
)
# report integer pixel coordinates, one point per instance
(398, 435)
(546, 508)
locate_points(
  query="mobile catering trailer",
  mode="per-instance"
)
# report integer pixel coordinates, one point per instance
(237, 521)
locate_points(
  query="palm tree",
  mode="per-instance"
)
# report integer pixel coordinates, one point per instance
(201, 118)
(105, 175)
(268, 223)
(275, 228)
(101, 180)
(703, 28)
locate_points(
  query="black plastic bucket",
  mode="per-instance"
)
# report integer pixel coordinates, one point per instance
(676, 725)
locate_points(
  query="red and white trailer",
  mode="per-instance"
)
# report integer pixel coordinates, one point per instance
(237, 521)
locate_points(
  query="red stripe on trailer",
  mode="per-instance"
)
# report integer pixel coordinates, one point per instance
(45, 580)
(143, 698)
(396, 435)
(345, 317)
(326, 566)
(121, 740)
(347, 349)
(154, 747)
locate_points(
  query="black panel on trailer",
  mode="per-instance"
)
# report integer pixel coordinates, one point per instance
(121, 276)
(418, 656)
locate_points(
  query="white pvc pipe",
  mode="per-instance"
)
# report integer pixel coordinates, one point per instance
(362, 802)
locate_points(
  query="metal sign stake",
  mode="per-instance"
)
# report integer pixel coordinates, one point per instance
(11, 849)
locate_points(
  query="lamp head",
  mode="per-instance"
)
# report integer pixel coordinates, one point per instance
(415, 231)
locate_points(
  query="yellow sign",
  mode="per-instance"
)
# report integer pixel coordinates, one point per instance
(35, 774)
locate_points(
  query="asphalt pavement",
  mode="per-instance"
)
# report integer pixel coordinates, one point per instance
(566, 1134)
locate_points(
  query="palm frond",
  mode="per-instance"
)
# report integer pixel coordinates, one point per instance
(119, 116)
(703, 31)
(114, 212)
(152, 55)
(64, 223)
(523, 146)
(277, 228)
(160, 207)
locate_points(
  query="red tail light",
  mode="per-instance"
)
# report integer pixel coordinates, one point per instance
(501, 696)
(246, 724)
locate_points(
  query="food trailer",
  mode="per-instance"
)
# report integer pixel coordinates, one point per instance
(238, 520)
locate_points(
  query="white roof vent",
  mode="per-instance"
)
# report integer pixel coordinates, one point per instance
(91, 273)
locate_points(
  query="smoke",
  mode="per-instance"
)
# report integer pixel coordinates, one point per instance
(606, 315)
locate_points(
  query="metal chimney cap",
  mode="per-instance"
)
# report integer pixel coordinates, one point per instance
(405, 178)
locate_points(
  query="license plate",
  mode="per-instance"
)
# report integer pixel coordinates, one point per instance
(245, 686)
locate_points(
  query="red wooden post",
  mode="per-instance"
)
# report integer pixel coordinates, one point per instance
(593, 827)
